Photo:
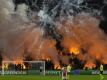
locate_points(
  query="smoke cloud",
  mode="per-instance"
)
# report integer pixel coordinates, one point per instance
(18, 34)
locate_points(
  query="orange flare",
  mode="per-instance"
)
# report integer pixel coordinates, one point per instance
(74, 51)
(57, 66)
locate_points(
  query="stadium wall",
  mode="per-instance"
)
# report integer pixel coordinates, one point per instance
(58, 72)
(76, 72)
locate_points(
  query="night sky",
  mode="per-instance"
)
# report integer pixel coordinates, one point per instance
(97, 4)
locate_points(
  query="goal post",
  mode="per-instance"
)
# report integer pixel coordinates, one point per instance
(23, 68)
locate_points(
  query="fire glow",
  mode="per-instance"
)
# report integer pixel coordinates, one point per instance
(74, 51)
(21, 38)
(6, 65)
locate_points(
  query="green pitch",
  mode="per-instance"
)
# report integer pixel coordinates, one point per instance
(33, 77)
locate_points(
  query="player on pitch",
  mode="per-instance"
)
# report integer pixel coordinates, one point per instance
(101, 72)
(64, 73)
(69, 70)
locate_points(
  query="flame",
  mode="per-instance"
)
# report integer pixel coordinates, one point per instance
(74, 51)
(19, 62)
(48, 59)
(90, 66)
(5, 66)
(57, 66)
(23, 66)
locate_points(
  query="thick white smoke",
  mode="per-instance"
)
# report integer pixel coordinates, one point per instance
(12, 24)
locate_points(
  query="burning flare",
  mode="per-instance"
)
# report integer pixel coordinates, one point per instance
(74, 51)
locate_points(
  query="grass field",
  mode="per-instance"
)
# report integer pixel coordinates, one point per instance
(32, 77)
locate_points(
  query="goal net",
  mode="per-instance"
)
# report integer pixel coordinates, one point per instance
(23, 68)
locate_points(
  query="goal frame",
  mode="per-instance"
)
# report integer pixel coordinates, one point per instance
(2, 72)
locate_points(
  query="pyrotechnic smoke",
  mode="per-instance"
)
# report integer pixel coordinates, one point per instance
(11, 26)
(76, 31)
(84, 33)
